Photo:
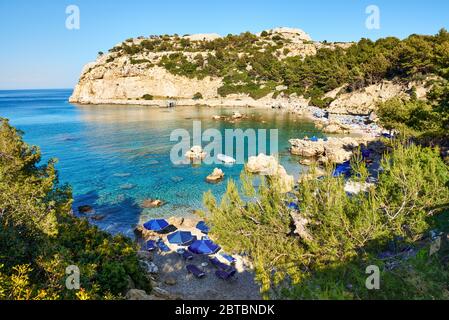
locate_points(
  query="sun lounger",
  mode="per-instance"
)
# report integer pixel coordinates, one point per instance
(293, 206)
(220, 265)
(150, 245)
(229, 258)
(195, 271)
(366, 153)
(343, 169)
(225, 275)
(162, 246)
(187, 255)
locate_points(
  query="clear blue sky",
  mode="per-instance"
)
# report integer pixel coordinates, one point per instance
(37, 51)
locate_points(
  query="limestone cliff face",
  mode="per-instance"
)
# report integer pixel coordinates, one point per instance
(365, 100)
(103, 84)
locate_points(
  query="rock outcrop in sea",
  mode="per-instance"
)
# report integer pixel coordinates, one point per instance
(332, 150)
(269, 166)
(216, 176)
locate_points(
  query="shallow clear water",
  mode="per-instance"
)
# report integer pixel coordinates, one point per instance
(116, 156)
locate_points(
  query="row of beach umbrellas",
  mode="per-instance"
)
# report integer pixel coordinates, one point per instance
(184, 238)
(159, 225)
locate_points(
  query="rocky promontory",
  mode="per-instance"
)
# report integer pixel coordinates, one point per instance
(279, 68)
(152, 70)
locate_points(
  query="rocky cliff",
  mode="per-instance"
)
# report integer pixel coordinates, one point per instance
(137, 72)
(278, 68)
(123, 82)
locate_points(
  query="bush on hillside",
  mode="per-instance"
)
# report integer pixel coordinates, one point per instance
(147, 97)
(197, 96)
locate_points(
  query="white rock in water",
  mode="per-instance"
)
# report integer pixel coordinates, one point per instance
(262, 164)
(268, 165)
(195, 153)
(306, 148)
(339, 151)
(215, 176)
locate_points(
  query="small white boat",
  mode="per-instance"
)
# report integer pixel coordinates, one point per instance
(226, 159)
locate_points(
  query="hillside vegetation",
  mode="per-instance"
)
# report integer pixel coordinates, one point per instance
(257, 64)
(39, 237)
(400, 224)
(322, 250)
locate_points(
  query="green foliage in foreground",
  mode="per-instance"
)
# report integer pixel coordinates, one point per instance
(327, 257)
(39, 238)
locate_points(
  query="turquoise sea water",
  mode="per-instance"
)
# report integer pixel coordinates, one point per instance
(116, 156)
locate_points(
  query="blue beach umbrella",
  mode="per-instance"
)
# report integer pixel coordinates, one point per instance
(293, 206)
(205, 247)
(180, 237)
(343, 169)
(203, 227)
(156, 225)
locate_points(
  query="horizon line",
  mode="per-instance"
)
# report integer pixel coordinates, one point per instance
(35, 89)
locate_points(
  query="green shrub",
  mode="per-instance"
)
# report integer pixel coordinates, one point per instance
(412, 117)
(147, 97)
(140, 61)
(198, 96)
(321, 103)
(326, 256)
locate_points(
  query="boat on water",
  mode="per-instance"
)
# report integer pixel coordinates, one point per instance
(225, 159)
